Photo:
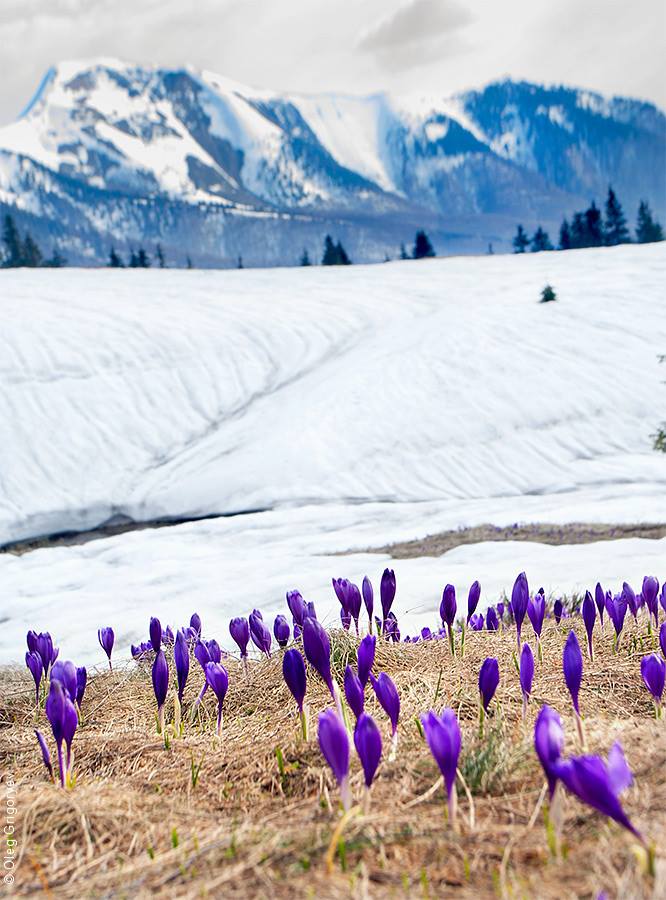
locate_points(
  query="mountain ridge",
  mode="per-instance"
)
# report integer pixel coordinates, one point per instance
(124, 154)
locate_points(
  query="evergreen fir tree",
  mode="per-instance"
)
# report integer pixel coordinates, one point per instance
(239, 264)
(13, 256)
(159, 253)
(490, 250)
(305, 258)
(143, 260)
(115, 262)
(133, 260)
(403, 252)
(615, 226)
(594, 225)
(56, 261)
(189, 263)
(341, 254)
(548, 295)
(520, 241)
(541, 241)
(579, 233)
(330, 256)
(648, 230)
(423, 249)
(565, 236)
(32, 255)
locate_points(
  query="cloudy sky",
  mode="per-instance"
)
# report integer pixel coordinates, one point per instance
(357, 46)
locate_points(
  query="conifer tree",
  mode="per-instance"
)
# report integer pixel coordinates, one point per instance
(56, 261)
(115, 262)
(341, 255)
(423, 249)
(565, 236)
(615, 226)
(579, 233)
(239, 264)
(648, 230)
(188, 264)
(143, 260)
(305, 258)
(32, 255)
(520, 241)
(594, 225)
(12, 241)
(133, 260)
(403, 252)
(330, 255)
(159, 253)
(541, 241)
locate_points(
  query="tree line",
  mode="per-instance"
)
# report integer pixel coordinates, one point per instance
(591, 228)
(23, 250)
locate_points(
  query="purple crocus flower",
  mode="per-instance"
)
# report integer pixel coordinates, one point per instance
(61, 713)
(473, 599)
(155, 631)
(368, 598)
(218, 681)
(195, 624)
(600, 600)
(259, 633)
(34, 662)
(293, 669)
(387, 591)
(572, 666)
(168, 638)
(630, 598)
(653, 671)
(368, 743)
(46, 650)
(520, 596)
(32, 640)
(492, 622)
(488, 681)
(499, 609)
(345, 618)
(526, 674)
(599, 784)
(281, 631)
(46, 756)
(447, 611)
(476, 622)
(106, 638)
(160, 685)
(65, 673)
(181, 656)
(616, 607)
(389, 699)
(334, 745)
(589, 618)
(81, 682)
(662, 638)
(442, 734)
(558, 610)
(548, 743)
(317, 649)
(536, 611)
(662, 596)
(366, 657)
(297, 607)
(650, 591)
(239, 629)
(354, 692)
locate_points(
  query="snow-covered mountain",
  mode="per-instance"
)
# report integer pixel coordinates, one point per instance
(108, 152)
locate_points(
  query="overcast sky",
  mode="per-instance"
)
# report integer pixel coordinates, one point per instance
(357, 46)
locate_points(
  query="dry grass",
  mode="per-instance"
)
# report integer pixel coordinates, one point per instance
(134, 825)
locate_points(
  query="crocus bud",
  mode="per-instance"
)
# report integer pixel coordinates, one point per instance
(662, 638)
(65, 673)
(354, 692)
(317, 649)
(526, 670)
(296, 606)
(492, 622)
(589, 618)
(354, 603)
(293, 669)
(181, 656)
(368, 597)
(81, 681)
(473, 599)
(476, 622)
(488, 681)
(366, 657)
(334, 745)
(46, 756)
(195, 624)
(46, 650)
(558, 610)
(387, 591)
(572, 665)
(536, 611)
(368, 743)
(281, 631)
(650, 590)
(259, 633)
(239, 629)
(600, 601)
(442, 734)
(520, 596)
(653, 672)
(218, 681)
(156, 634)
(160, 684)
(32, 639)
(548, 743)
(388, 697)
(616, 607)
(34, 662)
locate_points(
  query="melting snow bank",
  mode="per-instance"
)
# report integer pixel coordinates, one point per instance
(157, 394)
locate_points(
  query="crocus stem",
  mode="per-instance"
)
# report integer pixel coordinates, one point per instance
(304, 723)
(345, 793)
(453, 808)
(335, 691)
(110, 666)
(394, 746)
(524, 707)
(245, 666)
(160, 719)
(176, 715)
(220, 720)
(366, 800)
(61, 764)
(481, 718)
(462, 641)
(590, 651)
(369, 624)
(539, 650)
(451, 645)
(580, 729)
